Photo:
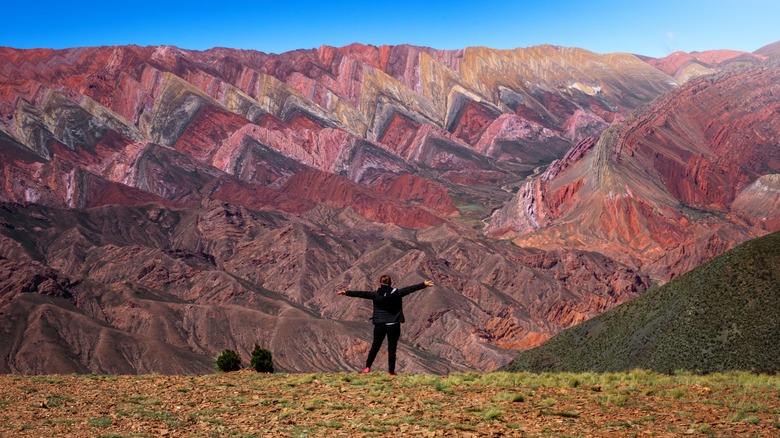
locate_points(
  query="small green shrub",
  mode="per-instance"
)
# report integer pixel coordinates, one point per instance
(228, 361)
(262, 362)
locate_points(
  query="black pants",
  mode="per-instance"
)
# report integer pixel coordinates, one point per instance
(393, 333)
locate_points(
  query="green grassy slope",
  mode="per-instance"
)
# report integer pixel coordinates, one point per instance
(723, 315)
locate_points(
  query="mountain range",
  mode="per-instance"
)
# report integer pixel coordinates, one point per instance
(161, 205)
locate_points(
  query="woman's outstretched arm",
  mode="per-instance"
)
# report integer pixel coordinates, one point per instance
(409, 289)
(357, 294)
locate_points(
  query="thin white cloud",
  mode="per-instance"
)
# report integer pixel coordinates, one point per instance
(669, 44)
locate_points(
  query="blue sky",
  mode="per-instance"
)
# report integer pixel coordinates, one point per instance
(652, 28)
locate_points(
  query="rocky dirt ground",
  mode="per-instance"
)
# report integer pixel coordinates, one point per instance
(247, 404)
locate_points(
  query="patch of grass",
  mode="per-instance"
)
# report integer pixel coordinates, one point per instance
(304, 379)
(628, 389)
(492, 413)
(625, 424)
(340, 406)
(617, 400)
(52, 380)
(742, 417)
(176, 423)
(236, 401)
(468, 377)
(514, 398)
(56, 400)
(548, 402)
(497, 379)
(215, 421)
(101, 422)
(678, 392)
(313, 404)
(157, 415)
(443, 388)
(565, 414)
(747, 407)
(331, 424)
(465, 427)
(421, 380)
(65, 421)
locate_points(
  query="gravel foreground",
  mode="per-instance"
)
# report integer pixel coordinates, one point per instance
(248, 404)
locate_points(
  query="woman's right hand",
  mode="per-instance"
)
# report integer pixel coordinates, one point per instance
(342, 292)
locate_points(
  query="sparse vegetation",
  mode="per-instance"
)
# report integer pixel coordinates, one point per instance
(245, 403)
(101, 422)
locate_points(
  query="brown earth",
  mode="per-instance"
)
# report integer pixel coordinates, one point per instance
(249, 404)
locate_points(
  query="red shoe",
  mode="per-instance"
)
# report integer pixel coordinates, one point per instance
(391, 374)
(366, 371)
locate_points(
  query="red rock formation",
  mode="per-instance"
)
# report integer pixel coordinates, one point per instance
(658, 191)
(220, 276)
(769, 50)
(334, 190)
(177, 203)
(685, 66)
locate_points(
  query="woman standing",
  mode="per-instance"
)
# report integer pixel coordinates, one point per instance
(387, 317)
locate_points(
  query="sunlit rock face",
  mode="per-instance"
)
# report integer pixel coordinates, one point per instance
(672, 186)
(686, 66)
(161, 205)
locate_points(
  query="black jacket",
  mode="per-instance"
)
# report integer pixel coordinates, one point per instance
(388, 306)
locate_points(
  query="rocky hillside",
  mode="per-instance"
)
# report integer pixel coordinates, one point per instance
(721, 316)
(160, 205)
(676, 183)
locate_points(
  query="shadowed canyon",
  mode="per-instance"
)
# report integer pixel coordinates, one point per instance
(160, 205)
